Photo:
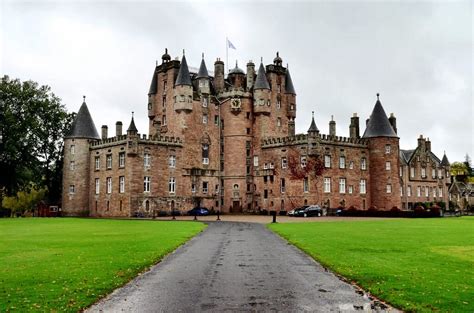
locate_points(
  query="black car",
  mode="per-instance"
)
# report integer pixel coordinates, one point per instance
(313, 210)
(298, 211)
(200, 211)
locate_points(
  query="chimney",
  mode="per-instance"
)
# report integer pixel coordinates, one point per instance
(428, 144)
(332, 127)
(354, 126)
(393, 121)
(219, 75)
(104, 131)
(118, 128)
(421, 141)
(250, 74)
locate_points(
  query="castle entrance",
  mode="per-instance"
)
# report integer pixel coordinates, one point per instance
(236, 208)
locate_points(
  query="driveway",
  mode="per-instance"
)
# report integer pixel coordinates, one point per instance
(235, 266)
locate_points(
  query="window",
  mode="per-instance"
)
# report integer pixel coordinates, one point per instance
(433, 173)
(412, 172)
(205, 186)
(72, 149)
(97, 163)
(401, 191)
(327, 184)
(278, 104)
(216, 189)
(205, 153)
(248, 131)
(440, 173)
(204, 118)
(423, 172)
(401, 171)
(108, 162)
(427, 192)
(172, 161)
(164, 85)
(72, 165)
(350, 189)
(122, 159)
(146, 160)
(387, 166)
(327, 161)
(193, 188)
(342, 185)
(305, 185)
(247, 115)
(284, 162)
(172, 185)
(303, 161)
(418, 191)
(363, 164)
(433, 191)
(265, 194)
(216, 119)
(282, 185)
(164, 102)
(351, 165)
(265, 166)
(271, 165)
(255, 160)
(389, 188)
(97, 186)
(440, 192)
(163, 120)
(409, 191)
(268, 102)
(204, 102)
(146, 184)
(72, 189)
(342, 162)
(278, 121)
(363, 186)
(388, 148)
(109, 184)
(122, 184)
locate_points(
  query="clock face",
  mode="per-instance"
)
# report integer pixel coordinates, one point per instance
(235, 104)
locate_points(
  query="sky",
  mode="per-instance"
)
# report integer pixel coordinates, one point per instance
(417, 54)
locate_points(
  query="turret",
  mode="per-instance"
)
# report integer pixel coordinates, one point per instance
(237, 76)
(261, 92)
(354, 126)
(383, 145)
(132, 138)
(219, 75)
(203, 78)
(393, 122)
(332, 127)
(183, 90)
(313, 137)
(76, 169)
(250, 74)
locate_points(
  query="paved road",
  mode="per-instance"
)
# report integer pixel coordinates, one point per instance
(234, 266)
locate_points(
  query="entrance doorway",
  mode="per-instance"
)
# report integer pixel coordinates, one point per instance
(236, 207)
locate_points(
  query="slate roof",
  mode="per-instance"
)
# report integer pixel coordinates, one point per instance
(183, 75)
(132, 127)
(261, 81)
(83, 125)
(312, 127)
(236, 69)
(445, 161)
(202, 73)
(289, 88)
(153, 86)
(407, 155)
(378, 125)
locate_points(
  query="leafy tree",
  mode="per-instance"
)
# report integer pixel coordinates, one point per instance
(24, 201)
(468, 163)
(32, 123)
(459, 170)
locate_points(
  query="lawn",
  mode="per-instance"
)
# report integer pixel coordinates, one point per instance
(414, 264)
(65, 264)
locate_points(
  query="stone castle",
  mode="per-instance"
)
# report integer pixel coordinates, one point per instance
(228, 143)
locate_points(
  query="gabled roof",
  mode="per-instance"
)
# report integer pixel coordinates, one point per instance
(289, 88)
(83, 125)
(183, 75)
(202, 73)
(378, 125)
(153, 86)
(445, 161)
(406, 155)
(312, 127)
(261, 81)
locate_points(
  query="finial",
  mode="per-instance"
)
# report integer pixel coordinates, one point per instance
(183, 52)
(332, 118)
(166, 50)
(84, 98)
(203, 55)
(278, 54)
(132, 114)
(312, 113)
(261, 59)
(378, 96)
(236, 64)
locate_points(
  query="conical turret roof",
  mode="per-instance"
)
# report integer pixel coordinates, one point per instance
(313, 127)
(183, 75)
(132, 127)
(378, 125)
(445, 161)
(289, 88)
(261, 81)
(83, 125)
(153, 85)
(203, 70)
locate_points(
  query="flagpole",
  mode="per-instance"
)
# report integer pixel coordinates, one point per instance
(226, 55)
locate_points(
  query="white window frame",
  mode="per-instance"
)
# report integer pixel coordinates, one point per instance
(440, 173)
(327, 161)
(97, 186)
(279, 121)
(72, 165)
(97, 163)
(109, 185)
(146, 184)
(342, 162)
(342, 185)
(172, 161)
(204, 118)
(388, 166)
(255, 160)
(409, 191)
(389, 188)
(423, 172)
(418, 191)
(303, 161)
(146, 160)
(363, 187)
(427, 191)
(72, 189)
(205, 187)
(108, 161)
(72, 149)
(306, 185)
(412, 172)
(363, 163)
(440, 192)
(388, 149)
(350, 189)
(172, 185)
(122, 159)
(193, 188)
(327, 184)
(351, 165)
(121, 184)
(282, 185)
(433, 173)
(284, 162)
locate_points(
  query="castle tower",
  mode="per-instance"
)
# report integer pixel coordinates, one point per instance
(313, 137)
(237, 76)
(183, 89)
(76, 168)
(291, 102)
(261, 104)
(203, 78)
(384, 160)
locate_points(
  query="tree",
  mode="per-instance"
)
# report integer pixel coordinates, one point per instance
(459, 170)
(468, 163)
(24, 201)
(33, 123)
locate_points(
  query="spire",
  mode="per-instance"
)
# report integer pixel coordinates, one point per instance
(183, 74)
(289, 88)
(379, 125)
(312, 127)
(83, 125)
(261, 82)
(132, 127)
(154, 84)
(445, 161)
(202, 69)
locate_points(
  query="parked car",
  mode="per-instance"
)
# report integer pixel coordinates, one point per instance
(313, 210)
(198, 211)
(298, 211)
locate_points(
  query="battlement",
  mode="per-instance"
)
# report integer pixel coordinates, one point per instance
(300, 139)
(343, 141)
(144, 139)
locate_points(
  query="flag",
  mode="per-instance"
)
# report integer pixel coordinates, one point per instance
(230, 45)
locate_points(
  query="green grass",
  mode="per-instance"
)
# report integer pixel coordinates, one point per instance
(414, 264)
(67, 264)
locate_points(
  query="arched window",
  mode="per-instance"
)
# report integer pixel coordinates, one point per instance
(147, 205)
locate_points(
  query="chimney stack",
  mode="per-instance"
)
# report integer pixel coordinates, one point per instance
(332, 127)
(354, 126)
(104, 131)
(118, 128)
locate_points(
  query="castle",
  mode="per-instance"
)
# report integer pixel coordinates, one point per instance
(228, 142)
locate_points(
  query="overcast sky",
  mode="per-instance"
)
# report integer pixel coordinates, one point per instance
(418, 55)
